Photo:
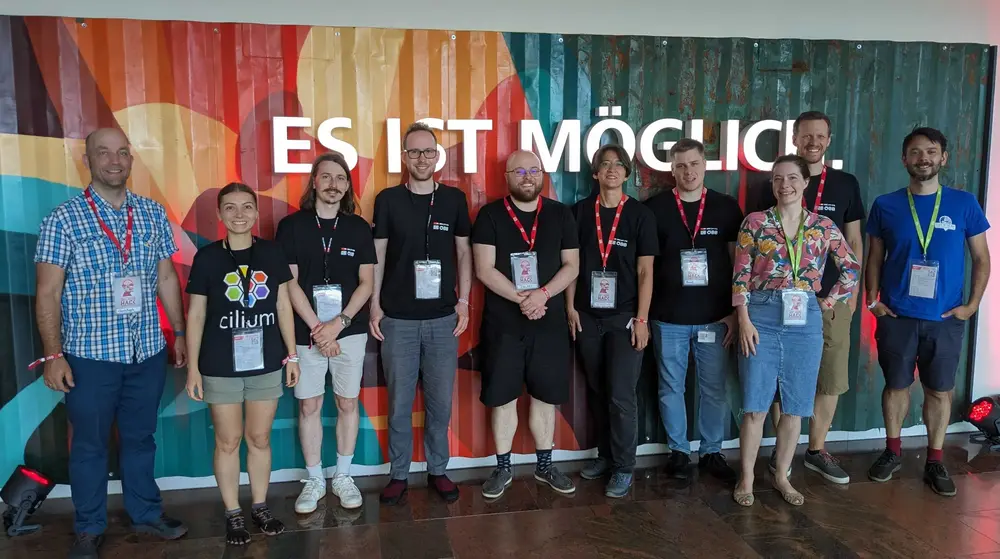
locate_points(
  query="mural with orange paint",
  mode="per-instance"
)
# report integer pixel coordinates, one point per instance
(200, 103)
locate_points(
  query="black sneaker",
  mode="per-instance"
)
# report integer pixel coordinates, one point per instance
(936, 475)
(716, 465)
(555, 479)
(886, 465)
(678, 464)
(266, 522)
(86, 546)
(164, 527)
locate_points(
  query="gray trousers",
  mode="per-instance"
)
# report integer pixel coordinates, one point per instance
(425, 350)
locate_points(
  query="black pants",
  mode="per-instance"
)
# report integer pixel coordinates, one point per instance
(612, 368)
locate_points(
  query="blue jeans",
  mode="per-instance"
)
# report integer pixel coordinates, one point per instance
(128, 395)
(672, 343)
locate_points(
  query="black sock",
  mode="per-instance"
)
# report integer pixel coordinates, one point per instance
(233, 512)
(814, 452)
(544, 461)
(503, 461)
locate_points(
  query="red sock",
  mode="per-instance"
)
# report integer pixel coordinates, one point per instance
(934, 454)
(895, 445)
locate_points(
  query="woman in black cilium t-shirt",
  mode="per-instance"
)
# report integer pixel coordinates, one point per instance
(241, 315)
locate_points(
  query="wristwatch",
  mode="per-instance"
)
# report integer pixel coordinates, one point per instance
(344, 319)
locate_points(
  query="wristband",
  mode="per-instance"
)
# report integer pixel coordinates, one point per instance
(178, 333)
(292, 358)
(39, 361)
(464, 301)
(872, 304)
(546, 292)
(640, 320)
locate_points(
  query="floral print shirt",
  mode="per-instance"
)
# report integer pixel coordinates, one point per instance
(761, 261)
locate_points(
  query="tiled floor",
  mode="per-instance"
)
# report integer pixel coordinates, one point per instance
(662, 517)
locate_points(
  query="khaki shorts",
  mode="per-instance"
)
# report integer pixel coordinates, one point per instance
(347, 368)
(236, 390)
(833, 368)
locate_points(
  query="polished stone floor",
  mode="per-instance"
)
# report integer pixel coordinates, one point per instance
(662, 517)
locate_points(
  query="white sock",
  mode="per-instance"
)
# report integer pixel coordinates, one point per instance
(344, 464)
(315, 471)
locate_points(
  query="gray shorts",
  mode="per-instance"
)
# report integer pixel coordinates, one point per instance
(236, 390)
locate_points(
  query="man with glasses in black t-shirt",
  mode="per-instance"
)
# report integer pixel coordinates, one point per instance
(422, 243)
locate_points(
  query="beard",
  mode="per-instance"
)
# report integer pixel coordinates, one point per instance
(416, 174)
(924, 174)
(525, 192)
(812, 157)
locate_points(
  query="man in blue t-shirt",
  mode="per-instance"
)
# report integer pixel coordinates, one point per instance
(914, 282)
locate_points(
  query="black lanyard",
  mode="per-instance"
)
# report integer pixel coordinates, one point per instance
(327, 247)
(427, 228)
(244, 278)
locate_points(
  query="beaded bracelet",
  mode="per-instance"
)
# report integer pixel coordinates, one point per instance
(38, 362)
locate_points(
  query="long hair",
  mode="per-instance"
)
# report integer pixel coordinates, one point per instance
(308, 201)
(235, 187)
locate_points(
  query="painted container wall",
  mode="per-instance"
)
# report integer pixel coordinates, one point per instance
(197, 101)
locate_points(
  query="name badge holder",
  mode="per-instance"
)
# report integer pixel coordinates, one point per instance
(794, 301)
(126, 289)
(524, 270)
(329, 301)
(924, 272)
(694, 262)
(924, 278)
(248, 349)
(427, 278)
(706, 337)
(604, 284)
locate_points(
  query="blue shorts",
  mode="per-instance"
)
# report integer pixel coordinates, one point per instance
(787, 359)
(932, 347)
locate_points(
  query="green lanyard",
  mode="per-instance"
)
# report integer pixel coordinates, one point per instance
(794, 251)
(925, 242)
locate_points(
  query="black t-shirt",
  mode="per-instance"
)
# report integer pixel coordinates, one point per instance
(672, 301)
(556, 232)
(214, 274)
(401, 217)
(351, 245)
(635, 237)
(841, 202)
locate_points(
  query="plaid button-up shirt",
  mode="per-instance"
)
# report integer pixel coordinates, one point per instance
(72, 239)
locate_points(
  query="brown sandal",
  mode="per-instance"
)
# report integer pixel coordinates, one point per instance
(744, 499)
(792, 497)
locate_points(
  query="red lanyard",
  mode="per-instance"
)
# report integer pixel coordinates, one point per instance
(614, 229)
(322, 239)
(819, 192)
(701, 213)
(517, 222)
(127, 250)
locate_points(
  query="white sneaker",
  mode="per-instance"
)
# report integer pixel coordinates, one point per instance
(314, 490)
(343, 487)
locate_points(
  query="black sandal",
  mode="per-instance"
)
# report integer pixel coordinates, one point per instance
(267, 523)
(236, 530)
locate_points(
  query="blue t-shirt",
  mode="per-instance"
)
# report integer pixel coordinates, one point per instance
(959, 218)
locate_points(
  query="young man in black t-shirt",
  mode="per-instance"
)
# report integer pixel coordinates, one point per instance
(332, 255)
(692, 307)
(527, 253)
(422, 243)
(837, 195)
(608, 311)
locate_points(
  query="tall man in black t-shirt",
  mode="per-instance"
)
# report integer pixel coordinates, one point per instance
(692, 309)
(527, 253)
(608, 311)
(332, 255)
(422, 242)
(836, 195)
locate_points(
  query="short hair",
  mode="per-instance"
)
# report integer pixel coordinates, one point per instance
(687, 144)
(932, 134)
(418, 127)
(88, 142)
(308, 200)
(235, 187)
(619, 151)
(798, 160)
(808, 116)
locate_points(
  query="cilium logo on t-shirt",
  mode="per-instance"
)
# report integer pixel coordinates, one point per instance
(621, 243)
(709, 231)
(234, 292)
(944, 222)
(438, 226)
(827, 208)
(344, 251)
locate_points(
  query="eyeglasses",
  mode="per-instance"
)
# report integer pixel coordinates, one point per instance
(607, 164)
(428, 153)
(521, 171)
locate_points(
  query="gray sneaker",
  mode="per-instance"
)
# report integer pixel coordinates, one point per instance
(499, 481)
(827, 466)
(619, 485)
(773, 465)
(557, 480)
(596, 469)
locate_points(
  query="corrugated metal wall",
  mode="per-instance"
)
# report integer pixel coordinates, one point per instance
(197, 101)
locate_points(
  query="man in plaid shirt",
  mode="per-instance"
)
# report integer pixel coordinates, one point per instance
(102, 259)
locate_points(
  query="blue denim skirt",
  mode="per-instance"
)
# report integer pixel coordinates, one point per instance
(787, 359)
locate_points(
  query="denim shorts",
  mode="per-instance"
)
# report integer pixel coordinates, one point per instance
(787, 359)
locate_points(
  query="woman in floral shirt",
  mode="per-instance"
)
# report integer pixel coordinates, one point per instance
(775, 281)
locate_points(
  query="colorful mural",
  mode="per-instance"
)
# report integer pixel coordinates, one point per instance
(198, 101)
